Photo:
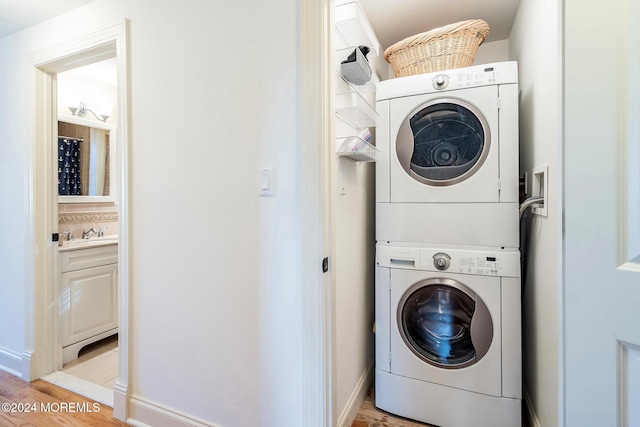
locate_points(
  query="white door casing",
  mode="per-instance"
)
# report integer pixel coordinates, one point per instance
(315, 149)
(601, 213)
(41, 356)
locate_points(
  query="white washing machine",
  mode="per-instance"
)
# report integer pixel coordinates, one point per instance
(444, 139)
(448, 337)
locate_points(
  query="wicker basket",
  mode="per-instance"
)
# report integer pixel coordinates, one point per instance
(451, 46)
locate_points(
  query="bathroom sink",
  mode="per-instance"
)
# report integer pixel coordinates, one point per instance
(70, 245)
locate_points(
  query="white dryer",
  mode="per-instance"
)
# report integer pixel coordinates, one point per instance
(444, 139)
(448, 337)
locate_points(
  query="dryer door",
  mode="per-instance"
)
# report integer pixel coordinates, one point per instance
(443, 142)
(444, 323)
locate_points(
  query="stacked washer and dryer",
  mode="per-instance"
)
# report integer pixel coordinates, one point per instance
(448, 311)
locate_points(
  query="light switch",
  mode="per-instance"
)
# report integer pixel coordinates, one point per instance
(266, 182)
(343, 183)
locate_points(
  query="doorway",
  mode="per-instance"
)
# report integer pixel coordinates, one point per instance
(45, 335)
(87, 214)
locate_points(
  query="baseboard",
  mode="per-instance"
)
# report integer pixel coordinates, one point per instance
(144, 413)
(120, 396)
(28, 369)
(530, 413)
(357, 397)
(12, 363)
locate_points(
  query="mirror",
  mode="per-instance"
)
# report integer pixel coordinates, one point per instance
(86, 161)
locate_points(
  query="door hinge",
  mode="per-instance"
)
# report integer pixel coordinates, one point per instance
(325, 264)
(499, 103)
(389, 357)
(499, 185)
(55, 237)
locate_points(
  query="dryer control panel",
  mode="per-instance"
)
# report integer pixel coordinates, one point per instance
(457, 80)
(484, 262)
(497, 73)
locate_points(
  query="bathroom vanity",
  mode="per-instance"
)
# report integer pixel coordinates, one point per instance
(88, 293)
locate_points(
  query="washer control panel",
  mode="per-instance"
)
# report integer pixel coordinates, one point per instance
(485, 265)
(480, 261)
(504, 263)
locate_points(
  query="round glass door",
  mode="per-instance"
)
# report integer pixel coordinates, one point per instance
(443, 142)
(436, 318)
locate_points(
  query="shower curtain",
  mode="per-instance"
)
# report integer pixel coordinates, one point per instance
(69, 166)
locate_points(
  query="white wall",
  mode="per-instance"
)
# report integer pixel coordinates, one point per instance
(354, 259)
(535, 42)
(13, 223)
(497, 51)
(215, 277)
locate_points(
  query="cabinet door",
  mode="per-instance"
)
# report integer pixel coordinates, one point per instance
(88, 303)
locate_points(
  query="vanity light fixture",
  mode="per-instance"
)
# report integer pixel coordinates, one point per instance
(82, 110)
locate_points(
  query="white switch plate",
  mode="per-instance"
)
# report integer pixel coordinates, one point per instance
(266, 182)
(343, 183)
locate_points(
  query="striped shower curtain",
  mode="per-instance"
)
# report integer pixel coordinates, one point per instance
(69, 166)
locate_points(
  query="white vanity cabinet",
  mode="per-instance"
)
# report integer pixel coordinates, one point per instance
(88, 297)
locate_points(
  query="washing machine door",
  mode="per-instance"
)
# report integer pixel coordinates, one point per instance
(444, 323)
(443, 142)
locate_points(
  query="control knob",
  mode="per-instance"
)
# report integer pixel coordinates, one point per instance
(441, 261)
(440, 81)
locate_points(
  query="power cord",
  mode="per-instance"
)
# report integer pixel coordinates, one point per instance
(531, 201)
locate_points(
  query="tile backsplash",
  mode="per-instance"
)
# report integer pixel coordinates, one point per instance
(77, 217)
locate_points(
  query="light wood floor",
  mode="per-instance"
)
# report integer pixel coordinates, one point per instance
(18, 392)
(97, 363)
(93, 374)
(40, 403)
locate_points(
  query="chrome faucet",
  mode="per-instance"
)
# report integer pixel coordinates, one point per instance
(87, 233)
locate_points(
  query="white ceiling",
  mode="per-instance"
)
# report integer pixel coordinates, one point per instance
(16, 15)
(395, 20)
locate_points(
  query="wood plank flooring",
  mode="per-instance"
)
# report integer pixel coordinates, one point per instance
(39, 403)
(21, 394)
(98, 363)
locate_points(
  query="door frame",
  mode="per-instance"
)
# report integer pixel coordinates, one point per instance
(41, 341)
(317, 297)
